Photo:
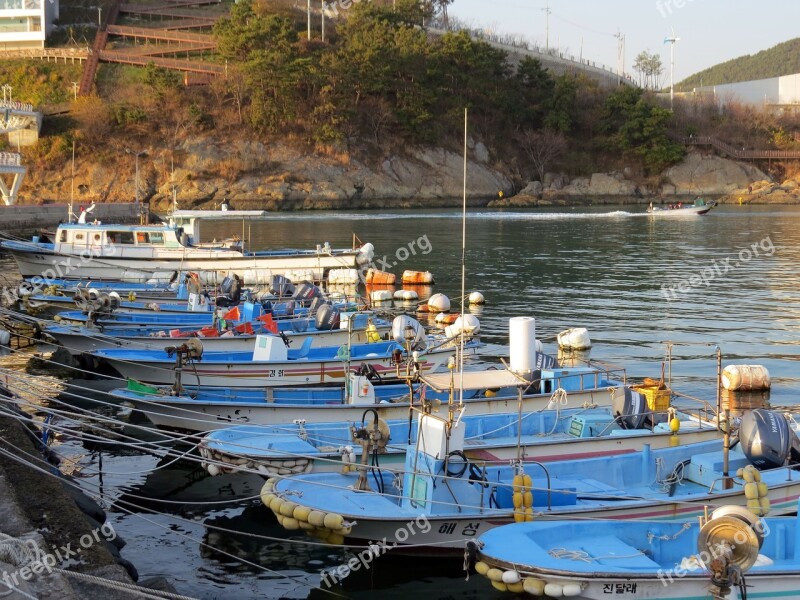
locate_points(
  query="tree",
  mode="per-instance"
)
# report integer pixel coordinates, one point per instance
(649, 68)
(543, 148)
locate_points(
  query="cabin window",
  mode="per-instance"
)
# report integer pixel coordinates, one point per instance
(121, 237)
(97, 238)
(157, 237)
(78, 237)
(63, 236)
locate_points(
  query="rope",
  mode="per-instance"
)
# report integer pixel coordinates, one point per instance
(583, 556)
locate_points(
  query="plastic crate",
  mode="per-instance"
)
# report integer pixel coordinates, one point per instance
(657, 400)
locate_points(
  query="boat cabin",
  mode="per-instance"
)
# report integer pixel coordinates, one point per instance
(110, 240)
(189, 220)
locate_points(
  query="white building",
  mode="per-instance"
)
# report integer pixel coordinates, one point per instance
(776, 91)
(26, 23)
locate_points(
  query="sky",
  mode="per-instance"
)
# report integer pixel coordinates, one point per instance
(710, 31)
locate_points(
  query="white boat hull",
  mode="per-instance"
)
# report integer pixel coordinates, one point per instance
(49, 265)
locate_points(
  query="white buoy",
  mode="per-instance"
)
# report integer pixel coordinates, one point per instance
(406, 295)
(574, 339)
(468, 324)
(522, 343)
(380, 295)
(476, 298)
(745, 378)
(439, 303)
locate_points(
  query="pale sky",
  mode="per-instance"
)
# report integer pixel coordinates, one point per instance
(710, 31)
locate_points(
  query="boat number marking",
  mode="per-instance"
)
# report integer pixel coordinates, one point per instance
(274, 372)
(469, 531)
(619, 588)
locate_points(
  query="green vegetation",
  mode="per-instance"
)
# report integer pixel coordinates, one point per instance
(783, 59)
(376, 86)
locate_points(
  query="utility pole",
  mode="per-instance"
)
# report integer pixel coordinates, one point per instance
(322, 12)
(309, 19)
(620, 56)
(547, 12)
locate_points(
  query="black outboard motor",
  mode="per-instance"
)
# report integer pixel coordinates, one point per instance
(327, 317)
(306, 292)
(281, 286)
(767, 440)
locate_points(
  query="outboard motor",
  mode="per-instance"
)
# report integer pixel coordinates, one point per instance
(631, 409)
(281, 286)
(306, 292)
(316, 304)
(327, 318)
(767, 440)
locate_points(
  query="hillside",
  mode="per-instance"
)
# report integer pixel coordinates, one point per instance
(783, 59)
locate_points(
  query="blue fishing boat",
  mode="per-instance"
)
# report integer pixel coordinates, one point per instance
(486, 392)
(546, 435)
(239, 337)
(461, 498)
(732, 554)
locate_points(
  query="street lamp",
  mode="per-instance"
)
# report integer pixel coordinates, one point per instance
(136, 180)
(75, 89)
(6, 92)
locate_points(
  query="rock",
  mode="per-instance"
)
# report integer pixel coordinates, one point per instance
(667, 189)
(700, 174)
(481, 153)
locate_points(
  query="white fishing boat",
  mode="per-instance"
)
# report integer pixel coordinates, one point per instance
(156, 252)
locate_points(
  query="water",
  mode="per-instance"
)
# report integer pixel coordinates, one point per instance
(612, 271)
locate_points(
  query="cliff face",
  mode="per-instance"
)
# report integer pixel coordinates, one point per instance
(281, 177)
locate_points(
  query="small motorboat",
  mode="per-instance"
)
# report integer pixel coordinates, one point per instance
(701, 206)
(730, 554)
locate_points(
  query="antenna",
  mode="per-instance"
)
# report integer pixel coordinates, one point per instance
(671, 41)
(620, 55)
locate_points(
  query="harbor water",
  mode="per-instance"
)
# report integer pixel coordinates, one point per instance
(643, 287)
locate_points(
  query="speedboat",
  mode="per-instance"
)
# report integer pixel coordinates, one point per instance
(700, 207)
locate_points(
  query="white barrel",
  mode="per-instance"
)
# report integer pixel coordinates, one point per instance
(439, 303)
(380, 295)
(406, 295)
(574, 339)
(365, 254)
(476, 298)
(343, 276)
(5, 337)
(522, 343)
(257, 276)
(745, 377)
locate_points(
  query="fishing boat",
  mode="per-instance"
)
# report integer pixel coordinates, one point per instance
(546, 435)
(488, 391)
(700, 207)
(271, 364)
(143, 253)
(240, 337)
(730, 554)
(460, 499)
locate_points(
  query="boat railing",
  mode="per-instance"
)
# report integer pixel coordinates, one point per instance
(706, 409)
(602, 376)
(547, 475)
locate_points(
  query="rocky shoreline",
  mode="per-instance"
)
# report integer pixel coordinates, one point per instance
(279, 177)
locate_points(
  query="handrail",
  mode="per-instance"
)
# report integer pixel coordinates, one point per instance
(726, 148)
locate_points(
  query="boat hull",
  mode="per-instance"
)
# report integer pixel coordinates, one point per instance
(82, 340)
(33, 261)
(184, 414)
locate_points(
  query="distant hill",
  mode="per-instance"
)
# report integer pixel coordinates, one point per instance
(783, 59)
